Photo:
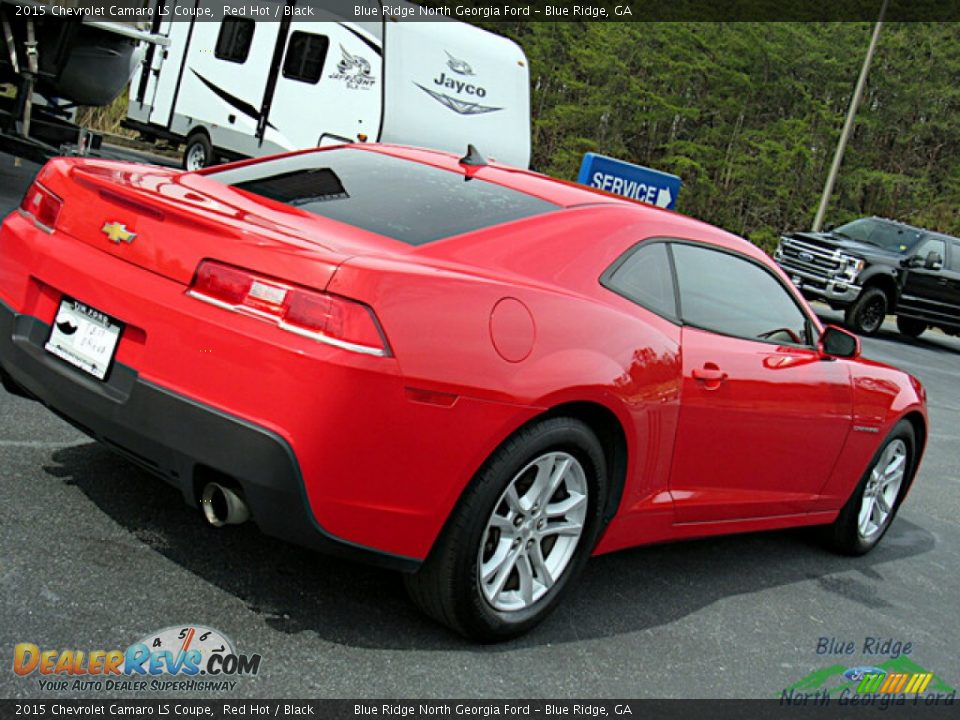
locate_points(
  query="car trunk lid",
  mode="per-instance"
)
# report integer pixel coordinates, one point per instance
(167, 222)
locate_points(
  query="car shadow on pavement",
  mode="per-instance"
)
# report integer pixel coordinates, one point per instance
(296, 590)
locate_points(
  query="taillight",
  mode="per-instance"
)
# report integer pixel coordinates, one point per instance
(222, 283)
(329, 319)
(42, 205)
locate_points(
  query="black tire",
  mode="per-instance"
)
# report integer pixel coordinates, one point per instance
(448, 587)
(198, 146)
(865, 316)
(911, 327)
(844, 534)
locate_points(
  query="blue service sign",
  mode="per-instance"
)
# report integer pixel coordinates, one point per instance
(632, 181)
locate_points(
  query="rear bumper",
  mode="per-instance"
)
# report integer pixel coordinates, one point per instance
(175, 437)
(333, 445)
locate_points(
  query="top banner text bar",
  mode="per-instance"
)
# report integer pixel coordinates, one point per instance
(506, 11)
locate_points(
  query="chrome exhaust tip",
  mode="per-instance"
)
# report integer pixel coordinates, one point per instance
(222, 506)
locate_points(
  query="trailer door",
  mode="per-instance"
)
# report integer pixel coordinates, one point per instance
(329, 87)
(225, 75)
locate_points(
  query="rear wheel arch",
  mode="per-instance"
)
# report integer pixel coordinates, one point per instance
(604, 424)
(610, 432)
(452, 583)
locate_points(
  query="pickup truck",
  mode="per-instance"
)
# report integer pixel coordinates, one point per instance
(872, 267)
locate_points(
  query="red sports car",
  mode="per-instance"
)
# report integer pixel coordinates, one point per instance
(468, 372)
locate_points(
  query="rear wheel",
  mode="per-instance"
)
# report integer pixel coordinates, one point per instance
(198, 153)
(866, 315)
(520, 534)
(875, 501)
(910, 327)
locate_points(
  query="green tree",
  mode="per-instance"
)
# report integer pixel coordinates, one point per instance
(748, 114)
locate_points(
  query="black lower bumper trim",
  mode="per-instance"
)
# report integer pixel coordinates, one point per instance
(174, 437)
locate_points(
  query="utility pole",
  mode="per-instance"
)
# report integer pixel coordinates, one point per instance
(848, 123)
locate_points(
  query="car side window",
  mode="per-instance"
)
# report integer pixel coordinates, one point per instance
(645, 277)
(955, 256)
(731, 295)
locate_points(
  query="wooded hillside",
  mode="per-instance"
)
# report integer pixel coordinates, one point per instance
(748, 114)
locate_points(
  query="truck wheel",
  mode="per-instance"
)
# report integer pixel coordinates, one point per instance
(866, 315)
(199, 152)
(520, 534)
(910, 327)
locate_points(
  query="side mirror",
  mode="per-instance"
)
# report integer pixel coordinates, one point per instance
(934, 261)
(838, 343)
(914, 261)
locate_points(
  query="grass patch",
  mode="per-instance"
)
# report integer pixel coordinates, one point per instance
(107, 119)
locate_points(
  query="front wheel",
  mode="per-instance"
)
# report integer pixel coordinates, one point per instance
(520, 534)
(874, 503)
(866, 315)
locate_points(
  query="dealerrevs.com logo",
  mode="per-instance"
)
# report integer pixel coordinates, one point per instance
(188, 658)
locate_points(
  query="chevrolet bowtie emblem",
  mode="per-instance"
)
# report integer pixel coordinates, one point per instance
(118, 233)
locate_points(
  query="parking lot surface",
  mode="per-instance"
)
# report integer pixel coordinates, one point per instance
(96, 554)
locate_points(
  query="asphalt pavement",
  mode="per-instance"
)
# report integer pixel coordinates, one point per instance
(96, 554)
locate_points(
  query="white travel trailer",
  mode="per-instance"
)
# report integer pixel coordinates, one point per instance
(239, 87)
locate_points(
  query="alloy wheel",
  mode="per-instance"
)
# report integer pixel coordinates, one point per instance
(533, 532)
(882, 488)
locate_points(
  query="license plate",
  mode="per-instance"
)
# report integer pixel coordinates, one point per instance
(84, 337)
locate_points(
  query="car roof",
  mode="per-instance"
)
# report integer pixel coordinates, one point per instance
(570, 195)
(568, 199)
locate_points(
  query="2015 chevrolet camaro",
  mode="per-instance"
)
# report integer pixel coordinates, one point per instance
(471, 373)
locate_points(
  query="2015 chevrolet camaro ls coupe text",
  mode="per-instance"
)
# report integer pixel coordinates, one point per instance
(471, 373)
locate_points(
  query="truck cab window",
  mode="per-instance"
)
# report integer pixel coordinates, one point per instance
(306, 53)
(235, 39)
(931, 245)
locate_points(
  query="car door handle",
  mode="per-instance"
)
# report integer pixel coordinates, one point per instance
(942, 281)
(710, 375)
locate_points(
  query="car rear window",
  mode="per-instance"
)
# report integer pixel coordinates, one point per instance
(402, 199)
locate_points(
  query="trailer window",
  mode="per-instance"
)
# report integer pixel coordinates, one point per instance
(305, 55)
(235, 39)
(401, 199)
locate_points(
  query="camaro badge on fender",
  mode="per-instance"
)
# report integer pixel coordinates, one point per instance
(117, 233)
